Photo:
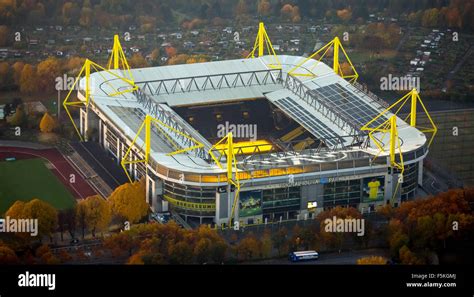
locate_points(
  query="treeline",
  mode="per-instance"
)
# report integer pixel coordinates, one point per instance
(149, 14)
(47, 76)
(416, 232)
(90, 215)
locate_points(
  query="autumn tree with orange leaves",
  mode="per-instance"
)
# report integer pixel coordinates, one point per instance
(128, 201)
(429, 224)
(336, 239)
(47, 123)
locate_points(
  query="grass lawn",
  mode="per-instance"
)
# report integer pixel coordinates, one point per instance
(28, 179)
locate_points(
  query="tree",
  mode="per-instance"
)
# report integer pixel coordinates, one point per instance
(241, 8)
(121, 243)
(47, 72)
(170, 51)
(86, 14)
(7, 255)
(453, 18)
(5, 75)
(218, 251)
(202, 250)
(178, 59)
(16, 210)
(17, 68)
(430, 18)
(97, 213)
(62, 222)
(336, 239)
(70, 221)
(295, 15)
(344, 14)
(46, 215)
(286, 11)
(264, 7)
(4, 35)
(137, 61)
(154, 56)
(408, 257)
(47, 123)
(128, 201)
(346, 68)
(249, 248)
(18, 118)
(73, 65)
(372, 260)
(70, 12)
(28, 80)
(136, 259)
(267, 245)
(180, 253)
(279, 241)
(81, 217)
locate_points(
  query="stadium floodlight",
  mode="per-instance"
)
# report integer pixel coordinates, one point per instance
(86, 70)
(414, 97)
(394, 146)
(161, 127)
(336, 46)
(118, 60)
(262, 42)
(232, 175)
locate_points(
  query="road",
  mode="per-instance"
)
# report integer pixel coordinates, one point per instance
(343, 258)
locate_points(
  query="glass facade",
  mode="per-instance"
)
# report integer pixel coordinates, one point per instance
(203, 195)
(347, 193)
(281, 199)
(410, 181)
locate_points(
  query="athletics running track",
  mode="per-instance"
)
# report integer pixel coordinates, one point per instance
(62, 169)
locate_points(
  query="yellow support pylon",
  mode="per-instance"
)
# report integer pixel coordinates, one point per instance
(232, 179)
(118, 60)
(262, 42)
(86, 70)
(414, 97)
(149, 120)
(336, 45)
(394, 146)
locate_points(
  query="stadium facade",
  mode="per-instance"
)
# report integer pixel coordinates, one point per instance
(311, 152)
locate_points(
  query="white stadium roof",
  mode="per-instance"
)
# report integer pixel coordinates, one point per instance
(236, 80)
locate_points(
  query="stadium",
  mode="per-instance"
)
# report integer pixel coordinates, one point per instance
(263, 139)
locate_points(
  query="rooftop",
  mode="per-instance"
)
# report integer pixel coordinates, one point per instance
(326, 105)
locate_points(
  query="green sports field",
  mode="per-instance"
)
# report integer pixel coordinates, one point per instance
(29, 179)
